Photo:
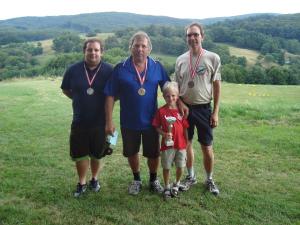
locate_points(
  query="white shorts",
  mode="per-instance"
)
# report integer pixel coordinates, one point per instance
(173, 155)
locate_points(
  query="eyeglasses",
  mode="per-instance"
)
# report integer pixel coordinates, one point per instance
(193, 34)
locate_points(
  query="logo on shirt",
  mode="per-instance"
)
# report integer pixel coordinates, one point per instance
(201, 70)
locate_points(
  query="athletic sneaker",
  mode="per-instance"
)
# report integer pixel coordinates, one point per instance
(189, 181)
(156, 187)
(175, 190)
(94, 185)
(167, 194)
(183, 187)
(135, 187)
(80, 189)
(211, 187)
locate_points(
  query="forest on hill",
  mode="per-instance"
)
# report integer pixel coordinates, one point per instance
(100, 22)
(276, 39)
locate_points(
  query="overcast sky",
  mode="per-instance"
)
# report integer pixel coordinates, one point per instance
(193, 9)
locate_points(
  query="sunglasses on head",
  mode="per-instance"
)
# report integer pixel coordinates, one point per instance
(193, 34)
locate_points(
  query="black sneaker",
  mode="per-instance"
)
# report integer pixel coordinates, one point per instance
(156, 187)
(212, 187)
(80, 189)
(94, 185)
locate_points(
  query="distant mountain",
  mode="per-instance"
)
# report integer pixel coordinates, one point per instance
(103, 22)
(274, 25)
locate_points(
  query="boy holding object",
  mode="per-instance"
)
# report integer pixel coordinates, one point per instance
(173, 128)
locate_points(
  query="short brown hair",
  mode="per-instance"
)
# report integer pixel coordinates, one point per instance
(92, 40)
(195, 24)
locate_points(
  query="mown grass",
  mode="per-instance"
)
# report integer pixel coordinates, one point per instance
(256, 149)
(251, 55)
(48, 52)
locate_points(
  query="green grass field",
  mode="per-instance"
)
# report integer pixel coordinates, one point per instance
(251, 55)
(166, 58)
(257, 152)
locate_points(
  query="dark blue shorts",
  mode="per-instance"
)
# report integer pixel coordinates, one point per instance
(199, 117)
(132, 141)
(87, 142)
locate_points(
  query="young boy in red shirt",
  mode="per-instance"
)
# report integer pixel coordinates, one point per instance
(173, 128)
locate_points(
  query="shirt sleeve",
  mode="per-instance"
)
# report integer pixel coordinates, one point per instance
(217, 68)
(66, 82)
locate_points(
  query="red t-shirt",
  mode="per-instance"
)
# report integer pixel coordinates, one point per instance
(177, 130)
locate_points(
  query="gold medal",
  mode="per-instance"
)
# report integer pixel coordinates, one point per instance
(191, 84)
(90, 91)
(142, 91)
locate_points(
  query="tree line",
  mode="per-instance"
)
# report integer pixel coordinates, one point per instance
(169, 40)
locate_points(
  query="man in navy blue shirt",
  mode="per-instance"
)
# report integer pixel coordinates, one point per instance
(135, 82)
(83, 83)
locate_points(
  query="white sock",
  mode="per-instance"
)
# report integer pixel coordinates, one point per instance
(168, 186)
(191, 171)
(209, 175)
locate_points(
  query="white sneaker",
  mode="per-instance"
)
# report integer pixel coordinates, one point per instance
(183, 187)
(189, 181)
(175, 190)
(135, 187)
(212, 187)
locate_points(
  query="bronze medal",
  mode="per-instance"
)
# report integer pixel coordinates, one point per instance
(191, 84)
(142, 91)
(90, 91)
(193, 68)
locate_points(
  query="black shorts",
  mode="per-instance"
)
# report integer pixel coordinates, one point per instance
(199, 117)
(87, 142)
(132, 141)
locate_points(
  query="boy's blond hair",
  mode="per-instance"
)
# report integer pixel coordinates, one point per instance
(170, 85)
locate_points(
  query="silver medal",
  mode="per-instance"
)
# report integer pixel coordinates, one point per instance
(90, 91)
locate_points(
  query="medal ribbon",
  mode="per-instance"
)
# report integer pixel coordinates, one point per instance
(193, 70)
(93, 77)
(141, 79)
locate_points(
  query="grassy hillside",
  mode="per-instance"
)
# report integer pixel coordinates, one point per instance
(251, 55)
(49, 53)
(256, 150)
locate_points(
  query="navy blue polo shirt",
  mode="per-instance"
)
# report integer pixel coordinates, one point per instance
(136, 111)
(88, 110)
